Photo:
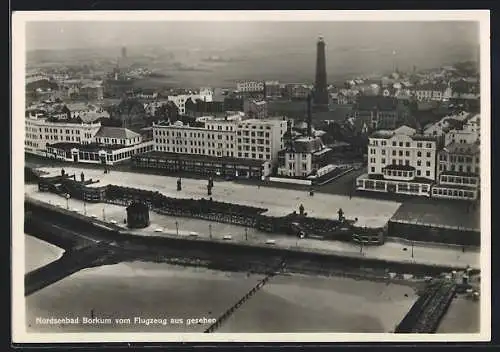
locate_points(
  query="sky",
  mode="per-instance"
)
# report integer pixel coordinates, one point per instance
(89, 34)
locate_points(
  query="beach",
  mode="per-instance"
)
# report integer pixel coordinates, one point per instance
(150, 290)
(39, 253)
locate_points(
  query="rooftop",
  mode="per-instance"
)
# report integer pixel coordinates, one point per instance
(116, 132)
(307, 145)
(439, 213)
(92, 147)
(399, 167)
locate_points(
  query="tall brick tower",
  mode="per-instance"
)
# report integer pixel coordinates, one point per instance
(320, 94)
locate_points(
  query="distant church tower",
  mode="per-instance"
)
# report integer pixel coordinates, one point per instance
(320, 95)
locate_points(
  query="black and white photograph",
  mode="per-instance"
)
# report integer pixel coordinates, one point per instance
(251, 176)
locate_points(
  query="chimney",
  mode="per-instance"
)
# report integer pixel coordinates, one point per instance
(309, 117)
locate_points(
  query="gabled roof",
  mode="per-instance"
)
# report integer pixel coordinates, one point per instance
(116, 132)
(408, 131)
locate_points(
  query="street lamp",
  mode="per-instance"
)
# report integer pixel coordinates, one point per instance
(246, 233)
(67, 200)
(412, 248)
(103, 214)
(177, 227)
(210, 230)
(84, 208)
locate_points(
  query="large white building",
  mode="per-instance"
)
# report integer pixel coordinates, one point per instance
(215, 138)
(40, 131)
(77, 141)
(260, 139)
(247, 139)
(400, 161)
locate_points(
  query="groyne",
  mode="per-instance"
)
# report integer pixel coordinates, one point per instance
(427, 312)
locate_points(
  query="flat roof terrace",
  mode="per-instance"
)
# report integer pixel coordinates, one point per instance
(439, 213)
(199, 158)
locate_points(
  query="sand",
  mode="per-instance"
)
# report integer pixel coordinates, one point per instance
(462, 317)
(319, 304)
(39, 253)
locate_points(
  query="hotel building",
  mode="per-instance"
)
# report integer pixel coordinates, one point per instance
(459, 166)
(230, 147)
(76, 141)
(400, 161)
(41, 131)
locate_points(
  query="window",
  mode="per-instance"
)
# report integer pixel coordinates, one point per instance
(419, 173)
(428, 154)
(400, 144)
(428, 163)
(383, 160)
(393, 153)
(407, 144)
(427, 173)
(419, 154)
(400, 153)
(373, 169)
(407, 162)
(419, 163)
(383, 151)
(393, 144)
(407, 153)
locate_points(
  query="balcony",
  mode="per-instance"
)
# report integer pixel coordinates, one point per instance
(399, 172)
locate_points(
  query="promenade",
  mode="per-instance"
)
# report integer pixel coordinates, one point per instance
(171, 226)
(370, 212)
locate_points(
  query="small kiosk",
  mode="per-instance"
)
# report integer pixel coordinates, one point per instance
(137, 215)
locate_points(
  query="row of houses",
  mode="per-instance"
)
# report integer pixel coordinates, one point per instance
(423, 92)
